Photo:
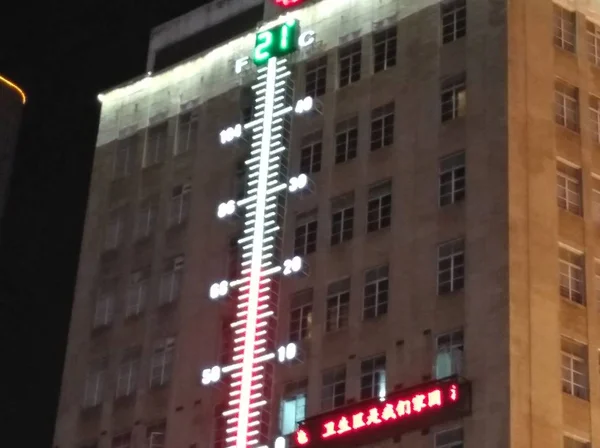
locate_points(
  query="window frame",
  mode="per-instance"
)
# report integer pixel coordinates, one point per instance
(456, 267)
(187, 132)
(346, 140)
(453, 19)
(382, 126)
(568, 184)
(452, 177)
(565, 37)
(333, 387)
(379, 278)
(453, 98)
(317, 69)
(571, 262)
(173, 274)
(566, 105)
(306, 233)
(568, 350)
(161, 360)
(349, 63)
(337, 305)
(179, 204)
(385, 47)
(372, 376)
(379, 206)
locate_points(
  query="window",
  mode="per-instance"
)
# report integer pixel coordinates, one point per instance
(346, 140)
(451, 266)
(595, 118)
(372, 377)
(156, 435)
(593, 38)
(568, 188)
(454, 20)
(454, 98)
(305, 235)
(180, 204)
(293, 406)
(338, 305)
(239, 180)
(384, 49)
(187, 135)
(333, 391)
(574, 368)
(137, 292)
(342, 219)
(566, 105)
(574, 442)
(350, 64)
(572, 279)
(146, 218)
(121, 441)
(382, 126)
(452, 179)
(156, 145)
(114, 229)
(170, 281)
(300, 323)
(94, 383)
(379, 207)
(565, 28)
(597, 281)
(596, 200)
(311, 152)
(104, 308)
(451, 438)
(448, 354)
(127, 373)
(124, 158)
(161, 362)
(376, 292)
(316, 77)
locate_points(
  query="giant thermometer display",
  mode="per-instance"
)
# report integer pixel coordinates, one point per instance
(247, 413)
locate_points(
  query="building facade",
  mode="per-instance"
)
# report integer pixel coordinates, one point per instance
(12, 99)
(447, 233)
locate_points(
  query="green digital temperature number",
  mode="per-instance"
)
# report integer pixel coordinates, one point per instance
(277, 41)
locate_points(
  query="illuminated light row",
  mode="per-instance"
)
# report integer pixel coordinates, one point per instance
(15, 87)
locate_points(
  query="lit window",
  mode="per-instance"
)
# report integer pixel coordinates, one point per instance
(595, 118)
(572, 278)
(372, 377)
(342, 219)
(568, 188)
(316, 77)
(300, 322)
(346, 140)
(566, 105)
(338, 305)
(156, 435)
(187, 135)
(575, 442)
(104, 308)
(161, 362)
(180, 204)
(114, 229)
(451, 438)
(593, 38)
(379, 206)
(156, 145)
(350, 63)
(170, 281)
(565, 26)
(376, 292)
(293, 406)
(94, 383)
(382, 126)
(454, 98)
(384, 49)
(448, 354)
(137, 292)
(452, 179)
(311, 152)
(574, 368)
(454, 20)
(127, 373)
(333, 390)
(121, 441)
(124, 158)
(146, 218)
(451, 266)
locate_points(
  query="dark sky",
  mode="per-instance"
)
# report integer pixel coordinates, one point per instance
(62, 54)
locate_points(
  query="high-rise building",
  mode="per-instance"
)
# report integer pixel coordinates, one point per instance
(353, 222)
(12, 99)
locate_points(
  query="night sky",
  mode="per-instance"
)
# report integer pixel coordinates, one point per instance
(62, 54)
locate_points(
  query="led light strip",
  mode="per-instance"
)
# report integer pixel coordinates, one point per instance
(253, 315)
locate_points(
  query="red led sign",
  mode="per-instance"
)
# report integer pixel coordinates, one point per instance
(287, 3)
(410, 407)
